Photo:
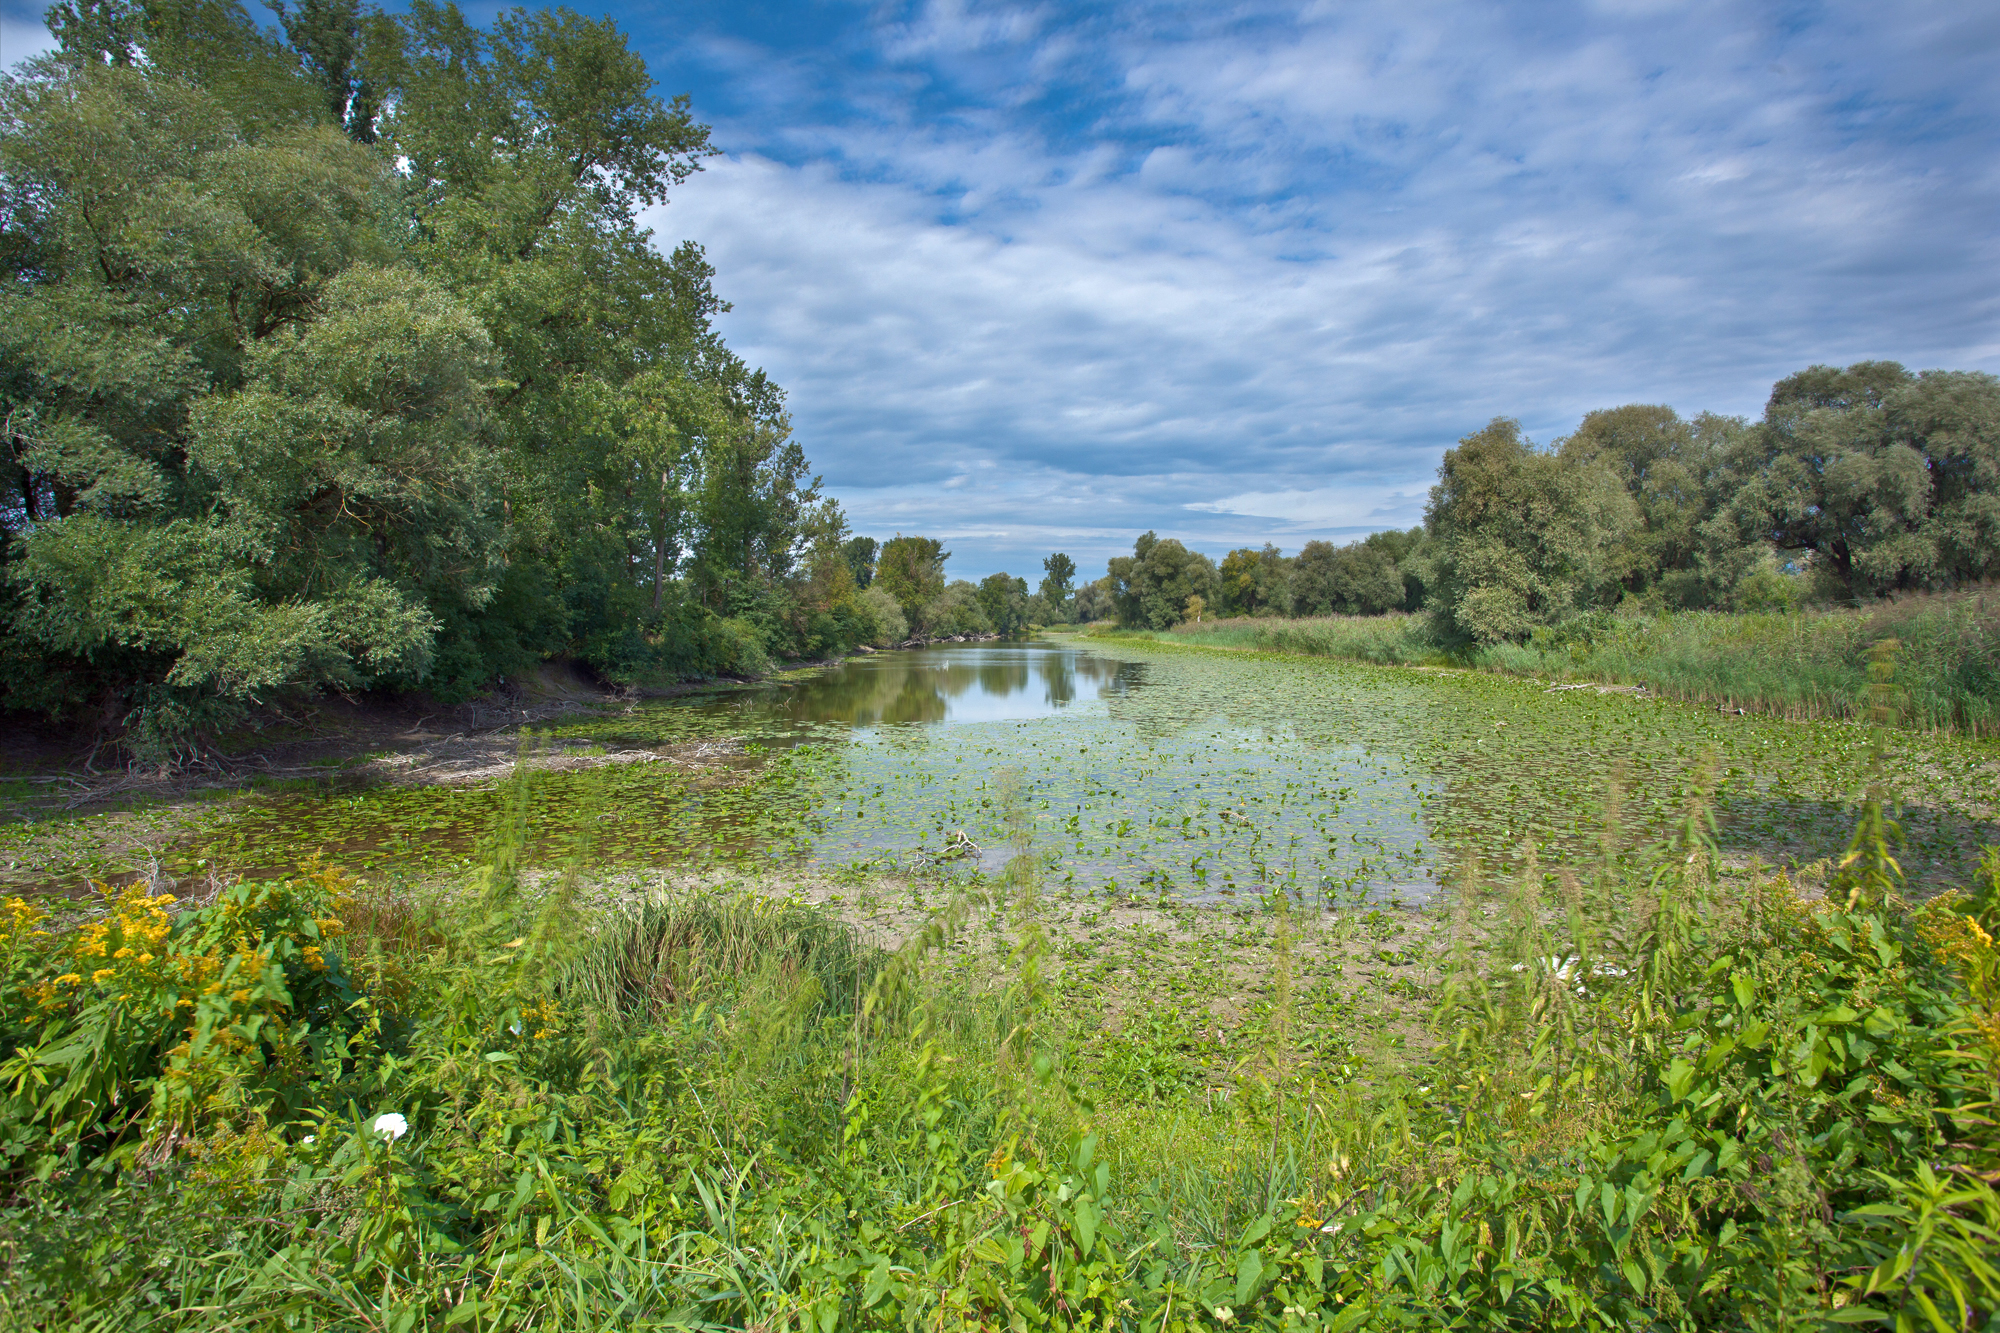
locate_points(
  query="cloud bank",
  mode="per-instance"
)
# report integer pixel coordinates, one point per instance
(1042, 277)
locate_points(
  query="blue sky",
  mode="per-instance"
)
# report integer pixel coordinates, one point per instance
(1045, 276)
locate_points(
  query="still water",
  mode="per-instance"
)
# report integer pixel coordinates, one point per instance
(1126, 766)
(1118, 773)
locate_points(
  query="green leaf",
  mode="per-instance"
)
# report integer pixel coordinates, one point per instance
(1086, 1224)
(1249, 1274)
(878, 1283)
(1859, 1314)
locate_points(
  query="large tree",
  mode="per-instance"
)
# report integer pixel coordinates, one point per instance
(1359, 579)
(1150, 588)
(1522, 537)
(336, 356)
(1058, 577)
(1003, 599)
(911, 570)
(1253, 582)
(1882, 479)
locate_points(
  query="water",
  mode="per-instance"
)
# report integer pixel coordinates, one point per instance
(932, 750)
(947, 685)
(1130, 767)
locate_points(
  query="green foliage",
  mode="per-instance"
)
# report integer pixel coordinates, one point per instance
(1058, 582)
(336, 357)
(911, 570)
(1520, 538)
(1150, 588)
(1884, 479)
(957, 611)
(860, 553)
(1856, 484)
(1658, 1102)
(1003, 600)
(1799, 664)
(1253, 582)
(890, 627)
(1360, 579)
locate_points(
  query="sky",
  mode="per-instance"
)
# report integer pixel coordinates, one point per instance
(1045, 276)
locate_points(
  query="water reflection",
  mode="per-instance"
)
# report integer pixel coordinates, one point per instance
(988, 682)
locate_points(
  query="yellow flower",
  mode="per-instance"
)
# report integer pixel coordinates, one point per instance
(101, 973)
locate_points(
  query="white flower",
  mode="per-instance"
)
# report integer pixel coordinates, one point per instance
(391, 1125)
(307, 1141)
(1224, 1315)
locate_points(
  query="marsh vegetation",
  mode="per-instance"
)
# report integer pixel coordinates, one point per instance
(900, 1015)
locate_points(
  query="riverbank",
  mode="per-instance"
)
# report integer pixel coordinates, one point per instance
(46, 772)
(1802, 665)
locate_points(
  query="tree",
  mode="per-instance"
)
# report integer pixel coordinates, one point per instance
(911, 570)
(1058, 575)
(1523, 538)
(1253, 582)
(1358, 579)
(335, 356)
(1409, 551)
(860, 554)
(1150, 587)
(1003, 600)
(1883, 479)
(957, 612)
(1094, 601)
(246, 455)
(1672, 469)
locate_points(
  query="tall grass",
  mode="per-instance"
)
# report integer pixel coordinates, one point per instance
(1801, 664)
(1395, 639)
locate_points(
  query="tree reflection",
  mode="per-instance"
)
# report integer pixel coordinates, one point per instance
(924, 685)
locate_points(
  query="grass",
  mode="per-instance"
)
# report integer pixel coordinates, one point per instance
(1806, 664)
(1644, 1093)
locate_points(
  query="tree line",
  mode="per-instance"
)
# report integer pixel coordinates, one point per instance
(1855, 484)
(335, 356)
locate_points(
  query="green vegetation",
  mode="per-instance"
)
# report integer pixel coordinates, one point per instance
(1151, 769)
(1648, 1094)
(1798, 664)
(337, 358)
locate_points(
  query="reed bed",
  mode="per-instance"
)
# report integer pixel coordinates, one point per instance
(1807, 664)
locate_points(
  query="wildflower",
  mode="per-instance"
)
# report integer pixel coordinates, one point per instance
(1224, 1315)
(101, 973)
(391, 1125)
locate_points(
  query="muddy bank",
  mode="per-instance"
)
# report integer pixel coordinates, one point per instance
(49, 771)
